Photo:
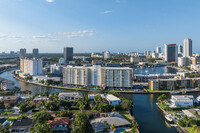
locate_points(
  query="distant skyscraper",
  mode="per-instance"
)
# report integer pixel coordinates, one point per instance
(106, 55)
(158, 50)
(22, 53)
(180, 49)
(68, 53)
(170, 52)
(187, 47)
(35, 53)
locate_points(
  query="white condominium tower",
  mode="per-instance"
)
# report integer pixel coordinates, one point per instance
(187, 47)
(158, 50)
(31, 66)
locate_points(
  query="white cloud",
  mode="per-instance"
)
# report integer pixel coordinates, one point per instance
(106, 12)
(73, 34)
(53, 40)
(3, 35)
(40, 37)
(49, 0)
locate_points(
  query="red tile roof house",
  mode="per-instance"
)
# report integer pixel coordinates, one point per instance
(60, 124)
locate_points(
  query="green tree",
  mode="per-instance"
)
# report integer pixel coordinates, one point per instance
(4, 129)
(8, 106)
(49, 81)
(42, 117)
(196, 115)
(195, 129)
(162, 98)
(46, 93)
(80, 124)
(112, 127)
(64, 113)
(41, 128)
(126, 104)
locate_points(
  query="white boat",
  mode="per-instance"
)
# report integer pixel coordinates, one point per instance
(146, 71)
(174, 92)
(168, 117)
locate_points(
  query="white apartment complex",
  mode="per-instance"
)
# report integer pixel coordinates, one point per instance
(107, 77)
(31, 66)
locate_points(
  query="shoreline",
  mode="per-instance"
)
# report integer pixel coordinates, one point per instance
(99, 91)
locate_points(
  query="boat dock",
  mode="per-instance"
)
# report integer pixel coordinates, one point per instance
(179, 129)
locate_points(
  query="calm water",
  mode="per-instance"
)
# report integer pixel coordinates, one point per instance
(154, 70)
(149, 118)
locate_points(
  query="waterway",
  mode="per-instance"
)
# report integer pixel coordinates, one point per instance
(148, 116)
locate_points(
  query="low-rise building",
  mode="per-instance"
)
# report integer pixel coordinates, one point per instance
(45, 78)
(113, 100)
(71, 96)
(6, 84)
(174, 83)
(60, 124)
(21, 126)
(190, 112)
(181, 100)
(56, 69)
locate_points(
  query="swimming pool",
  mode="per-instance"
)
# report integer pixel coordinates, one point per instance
(119, 130)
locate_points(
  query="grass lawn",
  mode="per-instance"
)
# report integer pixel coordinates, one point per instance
(11, 118)
(126, 115)
(148, 90)
(162, 106)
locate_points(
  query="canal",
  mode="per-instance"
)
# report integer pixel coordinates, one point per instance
(148, 116)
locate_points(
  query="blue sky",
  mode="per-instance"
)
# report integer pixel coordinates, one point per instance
(97, 25)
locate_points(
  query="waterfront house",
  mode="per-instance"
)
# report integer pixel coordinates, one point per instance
(98, 124)
(10, 100)
(182, 100)
(190, 112)
(92, 96)
(21, 126)
(60, 124)
(71, 96)
(113, 100)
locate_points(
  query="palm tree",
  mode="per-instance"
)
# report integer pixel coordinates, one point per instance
(187, 120)
(112, 127)
(195, 129)
(196, 115)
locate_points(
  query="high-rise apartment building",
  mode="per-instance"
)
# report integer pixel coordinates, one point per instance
(108, 77)
(22, 53)
(31, 66)
(180, 49)
(187, 47)
(116, 77)
(170, 52)
(68, 53)
(158, 50)
(35, 53)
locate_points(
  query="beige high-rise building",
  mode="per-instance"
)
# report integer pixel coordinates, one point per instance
(116, 77)
(75, 76)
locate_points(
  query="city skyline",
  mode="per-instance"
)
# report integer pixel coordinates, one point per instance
(118, 26)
